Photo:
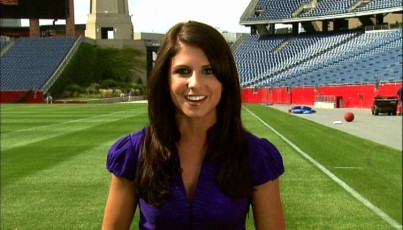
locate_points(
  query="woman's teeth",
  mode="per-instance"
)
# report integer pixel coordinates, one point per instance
(195, 98)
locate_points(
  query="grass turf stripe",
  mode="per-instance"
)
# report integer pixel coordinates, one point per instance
(40, 133)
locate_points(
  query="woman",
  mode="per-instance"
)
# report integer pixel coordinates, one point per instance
(194, 166)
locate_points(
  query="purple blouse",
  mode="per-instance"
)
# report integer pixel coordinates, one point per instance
(210, 209)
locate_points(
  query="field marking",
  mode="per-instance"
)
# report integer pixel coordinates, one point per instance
(347, 167)
(350, 190)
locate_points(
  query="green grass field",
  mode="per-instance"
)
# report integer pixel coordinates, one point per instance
(53, 172)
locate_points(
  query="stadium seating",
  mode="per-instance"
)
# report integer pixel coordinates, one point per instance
(30, 62)
(331, 59)
(280, 9)
(276, 9)
(330, 7)
(374, 5)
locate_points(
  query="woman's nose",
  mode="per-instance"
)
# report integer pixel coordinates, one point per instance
(194, 80)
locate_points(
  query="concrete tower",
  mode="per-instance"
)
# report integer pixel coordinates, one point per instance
(109, 20)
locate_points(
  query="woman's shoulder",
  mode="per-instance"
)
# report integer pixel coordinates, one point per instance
(128, 141)
(256, 142)
(265, 159)
(124, 154)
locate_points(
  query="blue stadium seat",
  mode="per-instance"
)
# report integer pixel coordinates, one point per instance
(30, 62)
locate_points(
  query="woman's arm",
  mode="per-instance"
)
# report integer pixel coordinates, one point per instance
(121, 204)
(267, 208)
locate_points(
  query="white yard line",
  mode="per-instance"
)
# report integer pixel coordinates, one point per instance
(347, 167)
(350, 190)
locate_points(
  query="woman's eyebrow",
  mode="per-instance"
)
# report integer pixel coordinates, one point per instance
(207, 66)
(180, 66)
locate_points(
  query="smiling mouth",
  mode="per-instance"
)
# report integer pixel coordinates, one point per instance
(195, 98)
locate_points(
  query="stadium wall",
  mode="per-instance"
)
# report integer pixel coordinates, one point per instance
(21, 97)
(346, 96)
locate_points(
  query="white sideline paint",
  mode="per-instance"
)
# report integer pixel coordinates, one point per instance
(347, 167)
(350, 190)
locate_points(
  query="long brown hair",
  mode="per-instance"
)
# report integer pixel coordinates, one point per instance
(157, 162)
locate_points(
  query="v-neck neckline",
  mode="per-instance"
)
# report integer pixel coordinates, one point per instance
(182, 182)
(212, 134)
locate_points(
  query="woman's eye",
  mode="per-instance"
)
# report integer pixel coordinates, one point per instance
(182, 71)
(208, 71)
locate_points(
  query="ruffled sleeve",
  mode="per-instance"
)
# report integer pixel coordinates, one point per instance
(123, 155)
(266, 161)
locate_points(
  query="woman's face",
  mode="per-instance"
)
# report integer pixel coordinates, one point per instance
(195, 90)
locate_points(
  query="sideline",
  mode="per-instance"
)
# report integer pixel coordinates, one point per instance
(350, 190)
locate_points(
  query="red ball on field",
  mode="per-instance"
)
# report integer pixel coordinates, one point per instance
(349, 116)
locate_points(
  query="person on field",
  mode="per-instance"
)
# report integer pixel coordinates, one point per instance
(49, 99)
(130, 94)
(194, 166)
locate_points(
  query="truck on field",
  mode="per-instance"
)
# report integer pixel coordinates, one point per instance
(384, 104)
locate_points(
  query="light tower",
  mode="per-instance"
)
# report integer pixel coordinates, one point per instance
(109, 20)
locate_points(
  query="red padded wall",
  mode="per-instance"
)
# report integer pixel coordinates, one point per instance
(348, 96)
(21, 97)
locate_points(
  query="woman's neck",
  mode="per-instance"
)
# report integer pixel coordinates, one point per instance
(193, 129)
(193, 133)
